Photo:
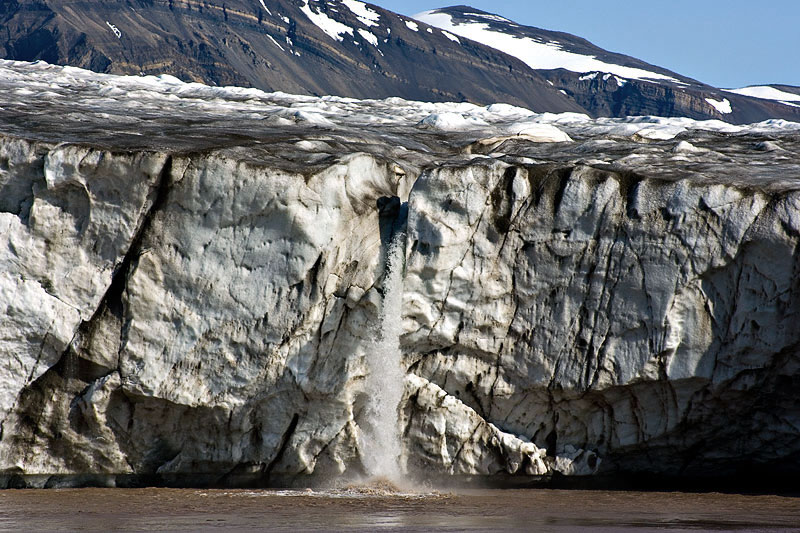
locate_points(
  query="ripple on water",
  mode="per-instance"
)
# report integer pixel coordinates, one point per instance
(377, 507)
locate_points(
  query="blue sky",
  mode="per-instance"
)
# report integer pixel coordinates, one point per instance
(726, 43)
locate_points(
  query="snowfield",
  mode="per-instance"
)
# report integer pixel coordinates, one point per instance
(536, 54)
(768, 93)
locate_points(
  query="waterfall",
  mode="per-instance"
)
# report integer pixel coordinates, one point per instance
(385, 380)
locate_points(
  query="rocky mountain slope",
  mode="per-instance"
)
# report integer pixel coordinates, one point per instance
(349, 48)
(602, 82)
(344, 48)
(192, 280)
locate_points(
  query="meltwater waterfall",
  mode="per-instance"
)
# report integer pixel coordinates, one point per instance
(385, 381)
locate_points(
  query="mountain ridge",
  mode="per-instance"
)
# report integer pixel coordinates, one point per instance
(353, 49)
(605, 83)
(238, 42)
(576, 43)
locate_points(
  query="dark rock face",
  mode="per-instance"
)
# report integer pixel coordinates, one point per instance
(607, 97)
(275, 47)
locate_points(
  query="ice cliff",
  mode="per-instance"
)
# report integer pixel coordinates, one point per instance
(192, 280)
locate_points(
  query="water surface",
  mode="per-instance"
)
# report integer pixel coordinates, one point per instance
(380, 510)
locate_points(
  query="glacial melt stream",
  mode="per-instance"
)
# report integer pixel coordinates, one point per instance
(385, 381)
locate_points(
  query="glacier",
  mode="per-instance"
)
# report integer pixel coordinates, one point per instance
(193, 280)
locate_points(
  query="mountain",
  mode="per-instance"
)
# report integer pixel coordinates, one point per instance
(344, 48)
(785, 94)
(604, 83)
(350, 48)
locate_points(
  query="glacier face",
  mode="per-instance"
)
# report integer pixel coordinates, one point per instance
(192, 279)
(626, 319)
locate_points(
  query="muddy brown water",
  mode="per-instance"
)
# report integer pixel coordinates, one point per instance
(379, 510)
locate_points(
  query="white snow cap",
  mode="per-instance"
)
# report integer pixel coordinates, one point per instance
(535, 54)
(766, 92)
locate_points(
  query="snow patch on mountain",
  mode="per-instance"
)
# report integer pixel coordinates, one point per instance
(271, 38)
(766, 93)
(265, 7)
(537, 55)
(413, 26)
(367, 16)
(723, 106)
(332, 27)
(493, 18)
(114, 29)
(368, 37)
(451, 36)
